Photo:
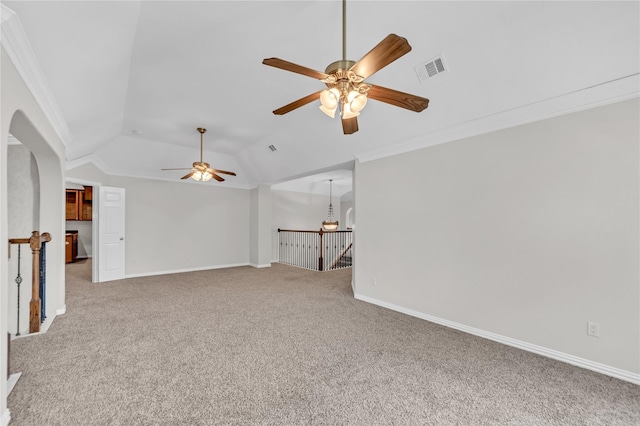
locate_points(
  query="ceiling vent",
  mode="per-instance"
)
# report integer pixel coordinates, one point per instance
(431, 68)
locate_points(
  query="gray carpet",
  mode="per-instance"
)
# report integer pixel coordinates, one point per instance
(283, 346)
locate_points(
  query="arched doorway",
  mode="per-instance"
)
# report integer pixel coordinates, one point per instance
(22, 116)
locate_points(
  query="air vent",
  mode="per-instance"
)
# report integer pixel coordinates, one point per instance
(431, 68)
(272, 148)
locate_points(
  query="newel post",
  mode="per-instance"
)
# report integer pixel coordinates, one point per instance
(35, 242)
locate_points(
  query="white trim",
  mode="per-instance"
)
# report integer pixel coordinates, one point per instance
(6, 417)
(44, 327)
(16, 44)
(610, 92)
(179, 271)
(255, 265)
(82, 182)
(11, 381)
(87, 159)
(12, 140)
(529, 347)
(62, 310)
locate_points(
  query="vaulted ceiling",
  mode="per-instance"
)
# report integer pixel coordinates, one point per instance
(134, 79)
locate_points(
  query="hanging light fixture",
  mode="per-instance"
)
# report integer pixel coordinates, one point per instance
(345, 88)
(201, 171)
(331, 224)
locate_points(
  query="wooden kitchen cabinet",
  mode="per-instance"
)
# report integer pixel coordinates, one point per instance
(71, 247)
(79, 204)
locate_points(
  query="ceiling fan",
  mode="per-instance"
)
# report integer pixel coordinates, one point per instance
(345, 81)
(202, 171)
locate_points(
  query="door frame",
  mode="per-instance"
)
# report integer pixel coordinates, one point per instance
(94, 230)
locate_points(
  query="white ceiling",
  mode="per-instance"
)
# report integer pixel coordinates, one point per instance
(134, 79)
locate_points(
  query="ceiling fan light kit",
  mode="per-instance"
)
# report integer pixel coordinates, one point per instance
(201, 171)
(345, 81)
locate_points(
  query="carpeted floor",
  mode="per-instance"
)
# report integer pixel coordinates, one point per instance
(283, 346)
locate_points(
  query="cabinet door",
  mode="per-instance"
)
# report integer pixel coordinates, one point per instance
(85, 207)
(68, 249)
(72, 204)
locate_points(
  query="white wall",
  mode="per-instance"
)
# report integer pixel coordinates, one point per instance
(21, 115)
(298, 211)
(177, 226)
(344, 207)
(23, 191)
(85, 236)
(527, 233)
(260, 227)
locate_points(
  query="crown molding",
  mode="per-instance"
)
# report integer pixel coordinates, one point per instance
(91, 158)
(606, 93)
(15, 42)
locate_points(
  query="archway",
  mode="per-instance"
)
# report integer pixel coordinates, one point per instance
(22, 116)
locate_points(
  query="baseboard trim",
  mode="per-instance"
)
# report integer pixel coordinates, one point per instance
(6, 417)
(529, 347)
(11, 382)
(62, 310)
(179, 271)
(265, 265)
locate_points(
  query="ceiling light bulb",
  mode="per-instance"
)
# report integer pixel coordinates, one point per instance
(357, 101)
(329, 98)
(206, 176)
(197, 175)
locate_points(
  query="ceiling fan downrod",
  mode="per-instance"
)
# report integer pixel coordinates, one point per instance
(202, 132)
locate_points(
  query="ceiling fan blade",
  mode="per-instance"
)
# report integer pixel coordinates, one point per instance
(387, 51)
(223, 172)
(215, 176)
(298, 69)
(350, 125)
(181, 168)
(297, 104)
(187, 176)
(399, 99)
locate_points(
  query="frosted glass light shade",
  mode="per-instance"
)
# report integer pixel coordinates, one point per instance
(206, 176)
(357, 101)
(347, 112)
(329, 98)
(197, 175)
(330, 112)
(330, 226)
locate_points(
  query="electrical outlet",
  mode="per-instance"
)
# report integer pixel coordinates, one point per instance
(593, 329)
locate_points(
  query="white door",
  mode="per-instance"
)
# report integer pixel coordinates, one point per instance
(110, 234)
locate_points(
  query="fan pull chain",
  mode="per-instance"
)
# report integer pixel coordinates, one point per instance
(18, 281)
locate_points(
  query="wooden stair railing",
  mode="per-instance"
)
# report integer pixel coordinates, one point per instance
(344, 252)
(308, 249)
(35, 242)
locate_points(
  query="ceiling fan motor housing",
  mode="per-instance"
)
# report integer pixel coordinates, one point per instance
(343, 64)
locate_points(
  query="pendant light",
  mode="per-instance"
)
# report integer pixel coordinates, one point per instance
(331, 224)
